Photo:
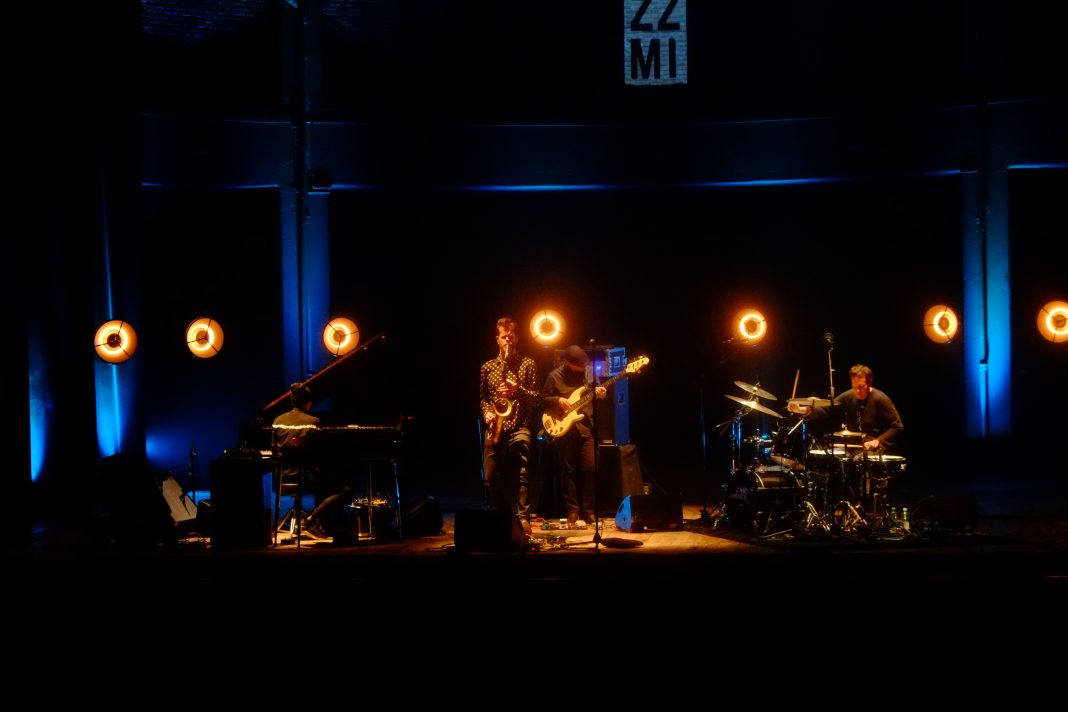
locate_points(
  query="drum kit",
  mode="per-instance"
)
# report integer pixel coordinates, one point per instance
(801, 483)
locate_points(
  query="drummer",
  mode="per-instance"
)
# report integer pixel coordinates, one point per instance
(864, 411)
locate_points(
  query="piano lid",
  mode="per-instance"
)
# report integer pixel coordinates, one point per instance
(321, 383)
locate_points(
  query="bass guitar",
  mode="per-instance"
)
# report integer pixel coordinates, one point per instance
(555, 427)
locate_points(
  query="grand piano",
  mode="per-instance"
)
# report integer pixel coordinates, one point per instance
(364, 455)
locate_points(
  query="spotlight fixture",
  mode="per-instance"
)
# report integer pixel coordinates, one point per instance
(115, 341)
(940, 323)
(341, 336)
(547, 327)
(750, 326)
(1053, 322)
(204, 337)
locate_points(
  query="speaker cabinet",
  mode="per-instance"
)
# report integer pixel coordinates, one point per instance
(496, 532)
(619, 475)
(642, 512)
(613, 414)
(422, 518)
(139, 515)
(241, 504)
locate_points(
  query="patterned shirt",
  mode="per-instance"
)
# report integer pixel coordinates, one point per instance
(522, 370)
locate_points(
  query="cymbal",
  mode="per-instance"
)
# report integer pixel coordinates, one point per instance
(755, 390)
(848, 434)
(811, 402)
(755, 405)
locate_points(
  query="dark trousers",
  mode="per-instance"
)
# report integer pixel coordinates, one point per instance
(577, 477)
(507, 472)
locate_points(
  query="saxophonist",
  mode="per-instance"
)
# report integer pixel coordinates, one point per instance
(508, 397)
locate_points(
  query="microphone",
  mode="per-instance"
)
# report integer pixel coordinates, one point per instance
(828, 339)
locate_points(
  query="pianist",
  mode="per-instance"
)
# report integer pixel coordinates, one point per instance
(295, 430)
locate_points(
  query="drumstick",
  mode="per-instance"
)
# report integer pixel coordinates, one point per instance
(796, 376)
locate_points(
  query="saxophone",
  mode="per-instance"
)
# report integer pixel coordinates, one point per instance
(502, 407)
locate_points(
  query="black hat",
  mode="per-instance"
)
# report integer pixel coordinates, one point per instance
(575, 356)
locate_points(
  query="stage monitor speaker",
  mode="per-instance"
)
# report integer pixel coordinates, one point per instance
(945, 514)
(139, 514)
(242, 501)
(642, 512)
(496, 532)
(422, 518)
(619, 475)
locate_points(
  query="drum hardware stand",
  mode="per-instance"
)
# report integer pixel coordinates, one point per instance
(814, 519)
(773, 517)
(714, 519)
(849, 519)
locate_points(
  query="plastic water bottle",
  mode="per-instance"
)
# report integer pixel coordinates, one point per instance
(905, 518)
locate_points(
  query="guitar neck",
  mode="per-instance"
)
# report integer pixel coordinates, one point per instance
(591, 390)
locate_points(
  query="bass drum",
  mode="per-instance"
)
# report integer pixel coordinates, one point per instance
(765, 498)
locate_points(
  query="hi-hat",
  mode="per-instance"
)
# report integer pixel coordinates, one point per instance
(755, 405)
(755, 390)
(848, 434)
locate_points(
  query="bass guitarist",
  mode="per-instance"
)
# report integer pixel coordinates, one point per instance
(575, 447)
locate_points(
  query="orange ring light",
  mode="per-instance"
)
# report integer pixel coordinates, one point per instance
(115, 341)
(204, 337)
(341, 336)
(547, 327)
(1053, 322)
(750, 327)
(941, 324)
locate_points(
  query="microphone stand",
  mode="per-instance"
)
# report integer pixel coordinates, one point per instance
(596, 456)
(706, 516)
(193, 470)
(830, 365)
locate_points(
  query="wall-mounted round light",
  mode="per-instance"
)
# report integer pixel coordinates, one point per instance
(204, 337)
(1053, 322)
(341, 336)
(547, 327)
(940, 323)
(115, 341)
(749, 326)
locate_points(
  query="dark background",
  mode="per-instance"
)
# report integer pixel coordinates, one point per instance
(813, 167)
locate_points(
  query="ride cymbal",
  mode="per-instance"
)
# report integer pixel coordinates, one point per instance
(754, 405)
(755, 390)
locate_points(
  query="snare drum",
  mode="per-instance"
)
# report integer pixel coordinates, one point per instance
(881, 468)
(827, 460)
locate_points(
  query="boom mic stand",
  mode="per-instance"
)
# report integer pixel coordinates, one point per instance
(596, 456)
(193, 470)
